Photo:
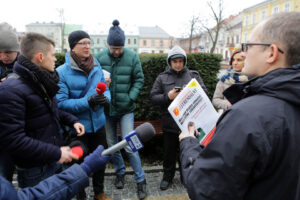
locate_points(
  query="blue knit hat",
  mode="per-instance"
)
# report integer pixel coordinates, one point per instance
(116, 35)
(76, 36)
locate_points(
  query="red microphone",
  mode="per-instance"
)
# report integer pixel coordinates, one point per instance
(101, 87)
(77, 150)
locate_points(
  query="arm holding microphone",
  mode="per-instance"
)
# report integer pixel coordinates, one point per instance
(59, 186)
(75, 178)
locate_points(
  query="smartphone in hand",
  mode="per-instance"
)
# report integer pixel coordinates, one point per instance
(177, 88)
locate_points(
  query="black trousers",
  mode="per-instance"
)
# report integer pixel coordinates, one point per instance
(171, 149)
(92, 141)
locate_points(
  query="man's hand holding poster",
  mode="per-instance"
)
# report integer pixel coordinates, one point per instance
(192, 108)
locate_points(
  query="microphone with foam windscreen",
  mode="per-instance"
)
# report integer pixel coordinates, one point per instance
(142, 133)
(101, 87)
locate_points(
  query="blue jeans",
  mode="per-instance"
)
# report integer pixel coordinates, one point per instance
(30, 177)
(126, 126)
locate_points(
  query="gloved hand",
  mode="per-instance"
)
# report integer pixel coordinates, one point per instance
(94, 161)
(97, 99)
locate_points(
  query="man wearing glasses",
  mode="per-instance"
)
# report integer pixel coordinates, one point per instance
(79, 76)
(254, 153)
(125, 82)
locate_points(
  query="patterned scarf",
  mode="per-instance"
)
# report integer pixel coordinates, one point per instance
(48, 79)
(232, 77)
(86, 65)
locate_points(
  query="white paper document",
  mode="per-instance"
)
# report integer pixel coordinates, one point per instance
(193, 107)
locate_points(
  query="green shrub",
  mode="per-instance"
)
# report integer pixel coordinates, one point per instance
(60, 59)
(206, 64)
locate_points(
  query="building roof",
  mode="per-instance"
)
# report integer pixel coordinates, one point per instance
(256, 5)
(44, 24)
(152, 32)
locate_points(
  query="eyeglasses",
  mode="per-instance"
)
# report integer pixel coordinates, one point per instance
(246, 45)
(85, 43)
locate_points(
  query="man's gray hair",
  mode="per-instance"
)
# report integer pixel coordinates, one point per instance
(284, 28)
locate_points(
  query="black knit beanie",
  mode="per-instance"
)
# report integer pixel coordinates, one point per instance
(116, 35)
(76, 36)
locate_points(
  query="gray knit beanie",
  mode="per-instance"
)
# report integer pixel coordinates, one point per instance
(8, 38)
(116, 35)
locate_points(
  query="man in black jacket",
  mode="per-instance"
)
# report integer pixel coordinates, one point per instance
(9, 50)
(165, 88)
(29, 117)
(254, 153)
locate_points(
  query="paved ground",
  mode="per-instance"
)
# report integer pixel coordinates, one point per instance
(153, 177)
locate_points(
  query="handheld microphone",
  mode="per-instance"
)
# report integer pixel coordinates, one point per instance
(143, 132)
(101, 87)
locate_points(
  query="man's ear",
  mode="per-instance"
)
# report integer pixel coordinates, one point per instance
(38, 58)
(272, 54)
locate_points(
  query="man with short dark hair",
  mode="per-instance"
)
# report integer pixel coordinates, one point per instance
(254, 153)
(29, 117)
(125, 82)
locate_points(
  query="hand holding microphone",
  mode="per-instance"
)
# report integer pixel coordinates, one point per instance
(99, 98)
(98, 158)
(95, 161)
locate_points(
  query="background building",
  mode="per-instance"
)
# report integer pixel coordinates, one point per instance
(154, 40)
(255, 14)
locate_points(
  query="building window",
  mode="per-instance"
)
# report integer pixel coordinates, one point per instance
(98, 41)
(228, 40)
(275, 10)
(263, 14)
(254, 18)
(128, 41)
(134, 41)
(237, 39)
(153, 43)
(145, 42)
(287, 7)
(161, 43)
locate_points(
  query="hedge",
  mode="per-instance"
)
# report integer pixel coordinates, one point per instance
(206, 64)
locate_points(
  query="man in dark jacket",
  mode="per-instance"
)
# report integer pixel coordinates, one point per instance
(254, 153)
(163, 92)
(29, 117)
(125, 82)
(61, 186)
(9, 48)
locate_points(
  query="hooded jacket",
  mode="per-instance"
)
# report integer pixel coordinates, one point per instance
(165, 82)
(254, 153)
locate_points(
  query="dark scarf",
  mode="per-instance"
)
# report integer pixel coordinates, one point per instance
(48, 79)
(232, 77)
(86, 65)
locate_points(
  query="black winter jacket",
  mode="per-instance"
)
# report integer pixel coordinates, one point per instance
(28, 130)
(254, 153)
(165, 82)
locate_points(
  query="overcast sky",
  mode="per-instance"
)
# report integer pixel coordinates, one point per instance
(96, 16)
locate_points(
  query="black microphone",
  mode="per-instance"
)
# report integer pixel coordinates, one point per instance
(144, 132)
